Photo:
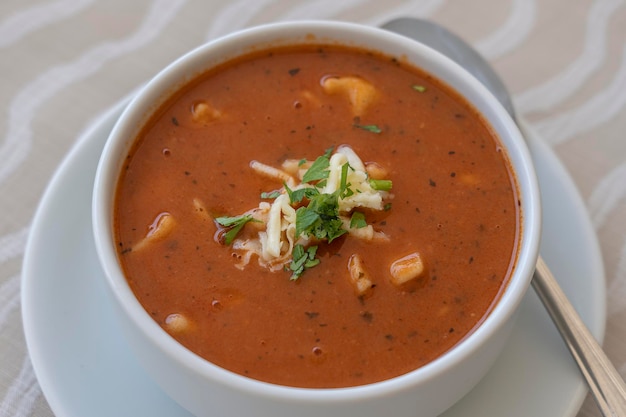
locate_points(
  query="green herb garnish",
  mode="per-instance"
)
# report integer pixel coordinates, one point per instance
(302, 259)
(419, 88)
(320, 218)
(344, 186)
(357, 220)
(296, 196)
(369, 128)
(317, 171)
(236, 224)
(270, 196)
(380, 185)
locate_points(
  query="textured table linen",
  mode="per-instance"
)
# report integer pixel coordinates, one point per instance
(63, 63)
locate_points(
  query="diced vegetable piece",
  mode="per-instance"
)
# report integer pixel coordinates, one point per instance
(406, 269)
(359, 276)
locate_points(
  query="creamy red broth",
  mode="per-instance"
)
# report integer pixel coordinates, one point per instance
(454, 202)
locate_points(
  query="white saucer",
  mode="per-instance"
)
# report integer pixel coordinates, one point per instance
(85, 368)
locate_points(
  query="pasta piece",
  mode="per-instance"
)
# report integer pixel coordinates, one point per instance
(359, 276)
(202, 112)
(177, 323)
(201, 210)
(359, 92)
(376, 171)
(406, 269)
(160, 228)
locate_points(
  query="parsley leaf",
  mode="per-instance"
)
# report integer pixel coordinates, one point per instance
(320, 218)
(369, 128)
(236, 224)
(305, 220)
(419, 88)
(302, 259)
(296, 196)
(270, 195)
(317, 171)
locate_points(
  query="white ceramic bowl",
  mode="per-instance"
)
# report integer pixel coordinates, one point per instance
(208, 390)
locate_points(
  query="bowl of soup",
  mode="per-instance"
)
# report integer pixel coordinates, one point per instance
(315, 218)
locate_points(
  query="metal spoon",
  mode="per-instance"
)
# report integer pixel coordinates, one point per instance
(606, 384)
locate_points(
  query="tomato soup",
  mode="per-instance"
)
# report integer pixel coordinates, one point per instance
(291, 293)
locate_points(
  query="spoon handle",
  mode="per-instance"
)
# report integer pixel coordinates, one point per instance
(605, 383)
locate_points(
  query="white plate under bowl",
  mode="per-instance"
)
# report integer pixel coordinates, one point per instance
(85, 367)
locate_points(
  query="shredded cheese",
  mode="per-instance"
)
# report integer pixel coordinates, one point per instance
(347, 181)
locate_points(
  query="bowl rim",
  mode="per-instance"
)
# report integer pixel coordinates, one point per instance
(177, 73)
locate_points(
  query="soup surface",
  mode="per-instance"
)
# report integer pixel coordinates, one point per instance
(448, 201)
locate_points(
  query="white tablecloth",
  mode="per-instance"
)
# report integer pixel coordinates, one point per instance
(65, 62)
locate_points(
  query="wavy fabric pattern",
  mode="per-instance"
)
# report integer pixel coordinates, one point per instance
(609, 193)
(512, 33)
(20, 399)
(554, 91)
(609, 196)
(424, 8)
(234, 16)
(328, 9)
(12, 245)
(574, 101)
(16, 26)
(23, 108)
(601, 108)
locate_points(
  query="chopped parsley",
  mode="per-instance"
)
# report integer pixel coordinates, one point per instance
(419, 88)
(319, 170)
(320, 218)
(301, 259)
(369, 128)
(235, 224)
(270, 196)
